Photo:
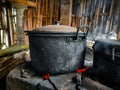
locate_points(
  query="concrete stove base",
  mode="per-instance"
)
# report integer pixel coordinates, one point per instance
(22, 78)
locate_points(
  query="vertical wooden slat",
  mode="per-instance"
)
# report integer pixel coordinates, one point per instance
(39, 21)
(96, 17)
(56, 10)
(109, 17)
(34, 18)
(11, 26)
(70, 14)
(66, 12)
(26, 26)
(51, 11)
(30, 19)
(25, 20)
(81, 12)
(8, 27)
(43, 11)
(46, 12)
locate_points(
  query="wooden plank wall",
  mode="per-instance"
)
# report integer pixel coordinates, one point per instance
(99, 14)
(45, 13)
(96, 13)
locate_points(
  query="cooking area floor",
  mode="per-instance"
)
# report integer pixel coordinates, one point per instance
(23, 78)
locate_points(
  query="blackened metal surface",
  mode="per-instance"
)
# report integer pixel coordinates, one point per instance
(104, 66)
(57, 49)
(55, 55)
(106, 46)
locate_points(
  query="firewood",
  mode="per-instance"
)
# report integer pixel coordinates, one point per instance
(5, 70)
(7, 63)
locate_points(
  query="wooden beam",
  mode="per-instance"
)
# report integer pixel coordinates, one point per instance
(25, 2)
(12, 50)
(31, 4)
(66, 12)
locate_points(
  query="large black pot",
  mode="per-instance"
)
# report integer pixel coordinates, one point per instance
(57, 49)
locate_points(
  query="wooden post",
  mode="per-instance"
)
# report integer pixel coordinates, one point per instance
(66, 12)
(30, 18)
(19, 35)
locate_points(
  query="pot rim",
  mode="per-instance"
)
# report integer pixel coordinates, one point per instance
(42, 33)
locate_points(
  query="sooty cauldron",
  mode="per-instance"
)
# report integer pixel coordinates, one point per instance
(57, 49)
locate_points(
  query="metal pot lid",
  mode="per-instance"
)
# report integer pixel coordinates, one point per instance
(56, 29)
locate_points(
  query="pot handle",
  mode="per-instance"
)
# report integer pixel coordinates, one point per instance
(82, 26)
